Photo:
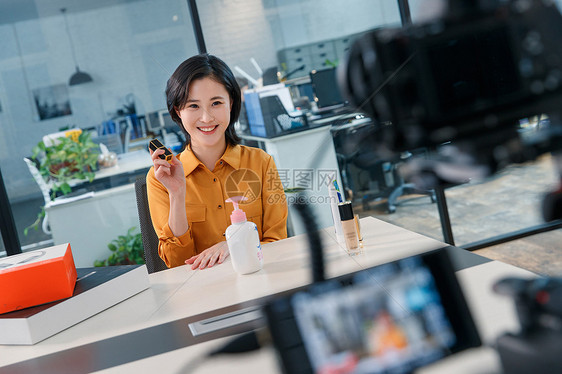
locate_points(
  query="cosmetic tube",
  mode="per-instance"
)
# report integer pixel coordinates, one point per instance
(349, 227)
(334, 201)
(358, 228)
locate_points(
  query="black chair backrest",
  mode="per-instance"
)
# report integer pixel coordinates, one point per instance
(149, 238)
(276, 119)
(111, 141)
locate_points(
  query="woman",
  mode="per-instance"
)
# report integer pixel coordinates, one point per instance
(187, 196)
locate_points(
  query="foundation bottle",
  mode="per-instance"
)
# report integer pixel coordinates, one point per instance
(349, 227)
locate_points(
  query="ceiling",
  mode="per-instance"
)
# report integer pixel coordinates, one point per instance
(12, 11)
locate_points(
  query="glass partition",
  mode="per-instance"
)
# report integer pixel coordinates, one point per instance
(98, 66)
(286, 40)
(65, 69)
(291, 37)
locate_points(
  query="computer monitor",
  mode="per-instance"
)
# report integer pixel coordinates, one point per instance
(153, 122)
(166, 121)
(305, 90)
(326, 91)
(160, 120)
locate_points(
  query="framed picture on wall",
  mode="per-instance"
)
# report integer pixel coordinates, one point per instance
(52, 101)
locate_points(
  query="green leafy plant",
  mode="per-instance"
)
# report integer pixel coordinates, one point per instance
(72, 158)
(294, 189)
(330, 63)
(68, 159)
(127, 250)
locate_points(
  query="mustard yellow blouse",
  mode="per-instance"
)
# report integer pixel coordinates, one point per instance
(240, 171)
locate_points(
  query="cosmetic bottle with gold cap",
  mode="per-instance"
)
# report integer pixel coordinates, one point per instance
(349, 227)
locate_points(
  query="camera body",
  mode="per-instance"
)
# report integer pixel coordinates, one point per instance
(465, 78)
(536, 348)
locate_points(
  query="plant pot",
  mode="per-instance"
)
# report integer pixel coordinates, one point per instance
(71, 165)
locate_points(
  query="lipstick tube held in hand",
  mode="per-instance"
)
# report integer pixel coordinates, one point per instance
(156, 144)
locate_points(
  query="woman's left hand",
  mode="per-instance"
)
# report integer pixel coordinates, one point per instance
(215, 254)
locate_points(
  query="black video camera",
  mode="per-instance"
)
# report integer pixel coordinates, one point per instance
(466, 78)
(536, 348)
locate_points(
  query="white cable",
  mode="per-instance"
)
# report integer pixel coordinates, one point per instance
(247, 76)
(255, 63)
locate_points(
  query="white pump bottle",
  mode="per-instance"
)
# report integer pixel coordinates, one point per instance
(243, 241)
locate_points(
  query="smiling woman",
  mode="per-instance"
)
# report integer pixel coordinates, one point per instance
(205, 117)
(187, 195)
(181, 93)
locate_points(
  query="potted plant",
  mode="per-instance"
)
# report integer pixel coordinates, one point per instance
(127, 250)
(70, 158)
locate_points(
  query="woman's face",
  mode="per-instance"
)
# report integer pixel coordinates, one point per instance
(206, 113)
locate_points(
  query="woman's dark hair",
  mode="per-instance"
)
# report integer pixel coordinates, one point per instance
(198, 67)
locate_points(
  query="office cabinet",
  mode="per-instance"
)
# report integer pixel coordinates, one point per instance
(296, 52)
(303, 63)
(342, 46)
(314, 56)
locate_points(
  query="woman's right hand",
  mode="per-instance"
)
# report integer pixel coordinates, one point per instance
(170, 174)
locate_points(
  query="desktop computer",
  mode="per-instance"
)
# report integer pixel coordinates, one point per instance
(161, 124)
(326, 90)
(153, 123)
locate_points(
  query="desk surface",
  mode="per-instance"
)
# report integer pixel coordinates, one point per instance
(127, 163)
(338, 121)
(180, 292)
(284, 137)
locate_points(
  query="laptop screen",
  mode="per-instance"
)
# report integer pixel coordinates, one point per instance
(325, 87)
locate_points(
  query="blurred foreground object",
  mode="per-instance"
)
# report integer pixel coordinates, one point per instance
(536, 348)
(464, 80)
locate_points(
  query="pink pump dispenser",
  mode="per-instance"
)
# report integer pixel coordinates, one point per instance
(238, 215)
(243, 240)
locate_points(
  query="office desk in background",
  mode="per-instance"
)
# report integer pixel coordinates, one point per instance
(91, 223)
(307, 152)
(309, 149)
(129, 167)
(149, 332)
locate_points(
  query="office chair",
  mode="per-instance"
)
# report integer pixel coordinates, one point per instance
(355, 148)
(277, 120)
(269, 76)
(149, 238)
(111, 141)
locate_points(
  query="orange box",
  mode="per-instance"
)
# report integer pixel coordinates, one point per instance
(36, 277)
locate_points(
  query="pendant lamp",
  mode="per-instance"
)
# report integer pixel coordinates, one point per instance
(79, 77)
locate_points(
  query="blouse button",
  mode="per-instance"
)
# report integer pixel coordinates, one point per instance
(214, 179)
(220, 162)
(220, 206)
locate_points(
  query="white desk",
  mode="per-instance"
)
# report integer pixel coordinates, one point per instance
(92, 223)
(180, 292)
(126, 163)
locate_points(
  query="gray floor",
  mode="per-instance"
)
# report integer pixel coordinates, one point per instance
(509, 201)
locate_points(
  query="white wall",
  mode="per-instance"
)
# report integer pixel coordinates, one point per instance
(236, 30)
(309, 21)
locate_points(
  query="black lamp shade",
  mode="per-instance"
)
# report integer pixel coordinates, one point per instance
(79, 78)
